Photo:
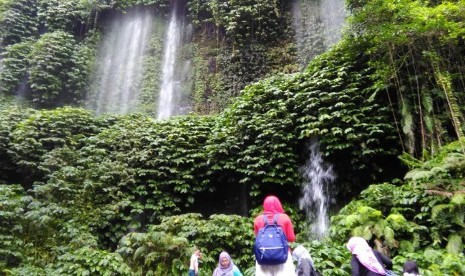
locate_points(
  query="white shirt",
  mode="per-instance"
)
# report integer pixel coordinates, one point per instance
(194, 264)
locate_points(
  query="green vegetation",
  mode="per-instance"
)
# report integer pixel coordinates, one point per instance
(123, 194)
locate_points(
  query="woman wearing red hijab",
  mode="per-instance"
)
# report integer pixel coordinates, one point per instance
(271, 207)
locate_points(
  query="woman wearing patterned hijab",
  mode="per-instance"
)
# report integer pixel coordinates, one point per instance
(226, 267)
(366, 261)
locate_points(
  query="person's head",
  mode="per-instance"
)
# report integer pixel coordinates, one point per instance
(197, 252)
(225, 260)
(300, 252)
(271, 204)
(359, 247)
(410, 267)
(357, 244)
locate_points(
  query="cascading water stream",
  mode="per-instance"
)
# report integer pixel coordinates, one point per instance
(176, 81)
(172, 42)
(315, 200)
(317, 25)
(120, 61)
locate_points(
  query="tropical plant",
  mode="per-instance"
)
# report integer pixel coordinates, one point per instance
(52, 62)
(89, 261)
(155, 253)
(15, 63)
(18, 21)
(34, 137)
(219, 232)
(418, 64)
(13, 200)
(9, 118)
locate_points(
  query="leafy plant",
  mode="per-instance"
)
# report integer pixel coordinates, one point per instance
(13, 201)
(89, 261)
(230, 233)
(13, 75)
(51, 64)
(154, 253)
(37, 135)
(18, 21)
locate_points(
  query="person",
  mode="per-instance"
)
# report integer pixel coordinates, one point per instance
(226, 267)
(305, 265)
(271, 207)
(194, 263)
(366, 261)
(411, 269)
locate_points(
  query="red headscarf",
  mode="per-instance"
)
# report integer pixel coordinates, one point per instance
(272, 205)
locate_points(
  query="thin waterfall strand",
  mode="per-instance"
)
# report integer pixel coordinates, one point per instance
(165, 103)
(318, 176)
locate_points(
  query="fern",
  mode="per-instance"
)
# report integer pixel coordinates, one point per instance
(417, 175)
(438, 210)
(397, 221)
(454, 244)
(351, 220)
(369, 214)
(458, 199)
(410, 161)
(379, 228)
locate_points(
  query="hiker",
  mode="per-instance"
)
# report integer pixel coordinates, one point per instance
(226, 267)
(411, 269)
(272, 209)
(366, 261)
(194, 263)
(305, 265)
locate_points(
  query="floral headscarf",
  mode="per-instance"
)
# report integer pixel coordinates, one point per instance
(359, 247)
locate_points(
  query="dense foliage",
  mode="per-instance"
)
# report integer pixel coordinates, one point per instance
(121, 194)
(421, 220)
(412, 219)
(417, 50)
(18, 21)
(238, 37)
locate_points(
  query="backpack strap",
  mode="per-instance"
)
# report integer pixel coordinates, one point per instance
(275, 219)
(265, 219)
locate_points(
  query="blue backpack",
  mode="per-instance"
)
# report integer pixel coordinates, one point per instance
(271, 246)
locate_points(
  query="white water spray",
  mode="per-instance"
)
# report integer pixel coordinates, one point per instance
(167, 92)
(315, 200)
(317, 25)
(120, 63)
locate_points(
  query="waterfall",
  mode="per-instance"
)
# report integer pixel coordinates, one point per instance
(315, 200)
(317, 25)
(176, 70)
(120, 64)
(167, 97)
